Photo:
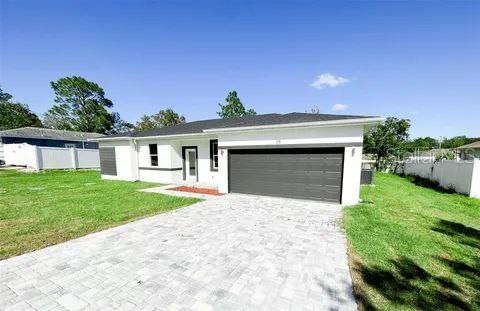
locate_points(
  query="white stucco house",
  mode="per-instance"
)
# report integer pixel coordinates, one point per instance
(297, 155)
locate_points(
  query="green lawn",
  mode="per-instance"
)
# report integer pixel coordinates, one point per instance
(41, 209)
(413, 247)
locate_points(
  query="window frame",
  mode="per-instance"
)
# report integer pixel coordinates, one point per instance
(213, 168)
(153, 155)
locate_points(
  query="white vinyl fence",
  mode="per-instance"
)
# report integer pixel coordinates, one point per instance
(461, 176)
(44, 158)
(2, 157)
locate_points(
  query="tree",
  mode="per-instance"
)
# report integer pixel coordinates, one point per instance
(421, 143)
(234, 107)
(386, 140)
(81, 105)
(458, 141)
(314, 110)
(59, 117)
(5, 96)
(14, 115)
(119, 125)
(165, 117)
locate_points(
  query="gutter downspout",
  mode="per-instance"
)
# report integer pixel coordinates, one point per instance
(135, 144)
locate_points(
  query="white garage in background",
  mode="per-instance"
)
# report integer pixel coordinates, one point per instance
(297, 155)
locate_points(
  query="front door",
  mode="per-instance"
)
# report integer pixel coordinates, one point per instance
(191, 164)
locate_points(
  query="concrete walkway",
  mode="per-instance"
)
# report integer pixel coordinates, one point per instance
(235, 252)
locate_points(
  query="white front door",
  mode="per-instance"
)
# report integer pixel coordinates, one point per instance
(191, 164)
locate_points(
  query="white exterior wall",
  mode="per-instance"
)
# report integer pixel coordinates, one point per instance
(317, 135)
(164, 149)
(2, 156)
(222, 170)
(462, 176)
(164, 177)
(352, 168)
(170, 155)
(302, 136)
(206, 177)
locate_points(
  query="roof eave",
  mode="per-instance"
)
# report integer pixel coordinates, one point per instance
(468, 147)
(109, 138)
(154, 136)
(206, 132)
(345, 122)
(51, 138)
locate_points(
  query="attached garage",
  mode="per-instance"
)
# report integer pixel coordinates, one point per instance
(303, 173)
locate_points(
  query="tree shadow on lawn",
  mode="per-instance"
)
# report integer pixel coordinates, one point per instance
(427, 183)
(408, 284)
(459, 232)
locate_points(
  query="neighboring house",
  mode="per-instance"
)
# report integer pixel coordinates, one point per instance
(297, 155)
(44, 137)
(470, 151)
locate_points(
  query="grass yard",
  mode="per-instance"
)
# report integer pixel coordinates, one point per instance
(413, 247)
(41, 209)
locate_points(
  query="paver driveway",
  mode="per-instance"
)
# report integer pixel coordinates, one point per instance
(234, 252)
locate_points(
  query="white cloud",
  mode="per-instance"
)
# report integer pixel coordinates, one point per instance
(325, 80)
(339, 107)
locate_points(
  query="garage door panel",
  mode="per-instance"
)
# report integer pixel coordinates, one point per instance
(297, 173)
(278, 188)
(325, 178)
(272, 188)
(269, 163)
(269, 176)
(323, 188)
(305, 165)
(322, 167)
(327, 197)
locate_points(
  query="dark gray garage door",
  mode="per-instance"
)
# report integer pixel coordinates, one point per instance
(307, 173)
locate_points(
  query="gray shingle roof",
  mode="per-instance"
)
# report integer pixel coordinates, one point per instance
(257, 120)
(475, 145)
(44, 133)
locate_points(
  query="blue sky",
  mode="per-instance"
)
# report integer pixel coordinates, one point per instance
(407, 59)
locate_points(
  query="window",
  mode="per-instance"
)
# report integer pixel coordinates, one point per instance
(153, 154)
(70, 145)
(191, 163)
(214, 155)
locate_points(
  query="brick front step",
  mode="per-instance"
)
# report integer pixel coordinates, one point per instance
(196, 190)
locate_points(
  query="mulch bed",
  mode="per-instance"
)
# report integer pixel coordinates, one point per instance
(196, 190)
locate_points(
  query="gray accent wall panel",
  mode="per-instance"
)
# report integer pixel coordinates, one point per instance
(303, 173)
(108, 163)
